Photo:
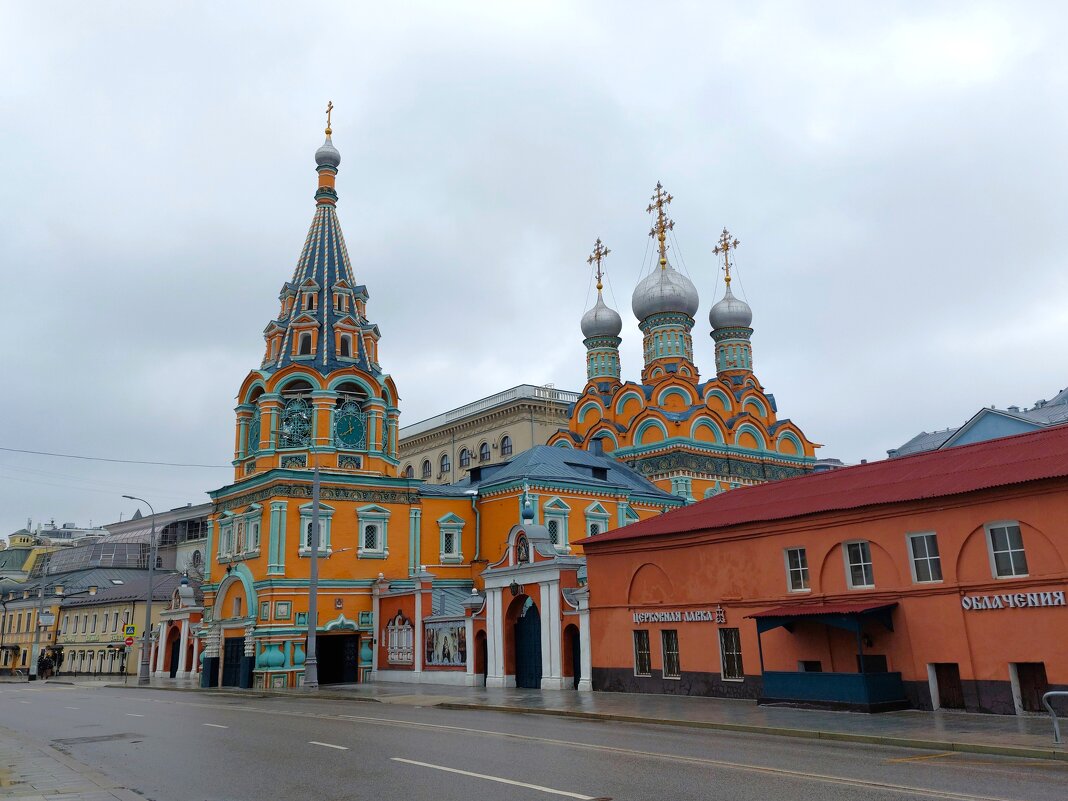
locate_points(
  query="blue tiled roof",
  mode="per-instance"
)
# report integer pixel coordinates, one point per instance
(323, 262)
(545, 463)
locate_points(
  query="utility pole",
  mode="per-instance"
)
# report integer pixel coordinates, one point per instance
(143, 677)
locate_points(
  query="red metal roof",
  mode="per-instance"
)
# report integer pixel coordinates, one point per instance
(996, 463)
(807, 610)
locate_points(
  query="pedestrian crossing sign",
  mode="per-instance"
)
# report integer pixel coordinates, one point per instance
(129, 631)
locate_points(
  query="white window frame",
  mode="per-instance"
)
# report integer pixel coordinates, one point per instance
(988, 528)
(400, 641)
(373, 515)
(596, 515)
(723, 655)
(848, 565)
(326, 515)
(664, 655)
(556, 509)
(451, 524)
(805, 571)
(909, 539)
(649, 651)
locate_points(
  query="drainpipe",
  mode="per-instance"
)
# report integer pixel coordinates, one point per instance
(478, 524)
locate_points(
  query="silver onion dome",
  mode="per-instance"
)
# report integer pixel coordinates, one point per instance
(730, 312)
(327, 155)
(664, 290)
(601, 321)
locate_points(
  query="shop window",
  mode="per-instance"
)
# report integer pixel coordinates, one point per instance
(506, 445)
(797, 569)
(1007, 555)
(858, 565)
(926, 563)
(669, 644)
(730, 653)
(642, 663)
(399, 641)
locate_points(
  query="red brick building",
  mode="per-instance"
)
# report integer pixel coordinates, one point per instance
(935, 580)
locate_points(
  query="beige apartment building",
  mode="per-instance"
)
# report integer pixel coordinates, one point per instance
(441, 449)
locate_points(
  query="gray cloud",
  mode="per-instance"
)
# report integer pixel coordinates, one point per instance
(897, 179)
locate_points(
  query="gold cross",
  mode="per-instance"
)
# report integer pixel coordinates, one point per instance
(599, 252)
(725, 246)
(663, 223)
(329, 108)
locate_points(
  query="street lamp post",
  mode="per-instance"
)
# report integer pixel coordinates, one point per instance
(57, 592)
(3, 628)
(146, 636)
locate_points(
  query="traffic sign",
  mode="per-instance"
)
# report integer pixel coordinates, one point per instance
(129, 641)
(129, 631)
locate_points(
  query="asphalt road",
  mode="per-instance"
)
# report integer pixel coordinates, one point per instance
(179, 746)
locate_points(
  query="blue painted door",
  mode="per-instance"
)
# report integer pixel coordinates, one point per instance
(528, 647)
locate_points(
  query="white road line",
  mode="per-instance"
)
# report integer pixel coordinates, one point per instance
(514, 783)
(134, 715)
(23, 702)
(327, 745)
(215, 725)
(70, 707)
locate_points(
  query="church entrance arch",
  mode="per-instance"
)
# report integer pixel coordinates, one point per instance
(527, 641)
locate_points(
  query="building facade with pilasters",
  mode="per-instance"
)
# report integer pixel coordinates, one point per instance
(399, 560)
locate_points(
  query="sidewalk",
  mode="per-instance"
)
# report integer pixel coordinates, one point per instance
(1019, 736)
(31, 772)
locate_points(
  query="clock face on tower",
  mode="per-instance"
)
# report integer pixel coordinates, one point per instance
(254, 435)
(349, 428)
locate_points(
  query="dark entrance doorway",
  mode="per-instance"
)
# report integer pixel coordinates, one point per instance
(528, 647)
(1031, 676)
(950, 689)
(338, 657)
(233, 653)
(481, 654)
(175, 647)
(576, 654)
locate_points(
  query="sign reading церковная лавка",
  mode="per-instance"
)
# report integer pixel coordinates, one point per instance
(679, 616)
(1014, 600)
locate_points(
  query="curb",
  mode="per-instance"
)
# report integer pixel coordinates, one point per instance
(1022, 752)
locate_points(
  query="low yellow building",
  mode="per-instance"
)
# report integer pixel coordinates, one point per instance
(91, 631)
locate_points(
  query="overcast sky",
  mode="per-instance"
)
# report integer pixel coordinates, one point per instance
(896, 174)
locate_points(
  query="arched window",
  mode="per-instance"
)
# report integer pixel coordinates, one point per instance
(399, 640)
(296, 423)
(197, 558)
(409, 472)
(446, 464)
(465, 457)
(506, 445)
(427, 469)
(484, 452)
(522, 550)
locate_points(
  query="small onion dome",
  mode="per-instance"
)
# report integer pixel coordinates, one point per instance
(601, 321)
(664, 290)
(730, 312)
(327, 155)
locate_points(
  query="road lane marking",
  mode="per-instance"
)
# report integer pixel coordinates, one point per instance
(923, 757)
(215, 725)
(922, 792)
(134, 715)
(512, 782)
(328, 745)
(23, 702)
(70, 707)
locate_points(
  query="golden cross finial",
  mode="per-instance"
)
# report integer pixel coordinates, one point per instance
(725, 246)
(663, 223)
(329, 108)
(599, 252)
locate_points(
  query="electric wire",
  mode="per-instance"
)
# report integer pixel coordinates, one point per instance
(114, 461)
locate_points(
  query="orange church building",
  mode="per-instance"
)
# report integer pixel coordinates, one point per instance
(931, 581)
